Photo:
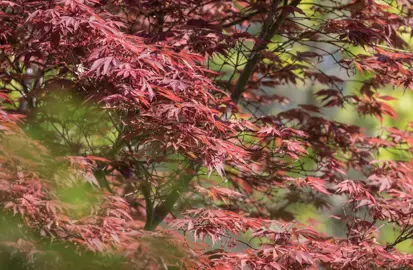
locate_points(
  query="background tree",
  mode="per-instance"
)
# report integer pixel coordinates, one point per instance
(141, 113)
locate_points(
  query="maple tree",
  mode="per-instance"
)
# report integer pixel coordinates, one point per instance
(136, 130)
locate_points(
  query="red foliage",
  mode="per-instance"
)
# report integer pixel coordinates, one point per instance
(169, 91)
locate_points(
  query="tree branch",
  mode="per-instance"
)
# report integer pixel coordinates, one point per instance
(268, 31)
(164, 208)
